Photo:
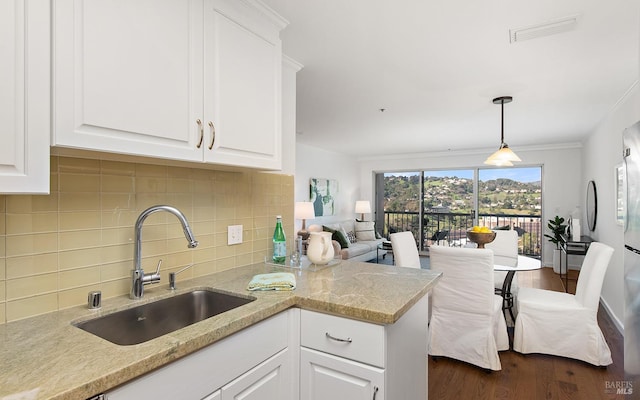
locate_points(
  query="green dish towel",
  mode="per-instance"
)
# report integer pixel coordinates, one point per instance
(273, 281)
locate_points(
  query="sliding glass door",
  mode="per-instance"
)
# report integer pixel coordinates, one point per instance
(511, 198)
(440, 206)
(401, 197)
(449, 204)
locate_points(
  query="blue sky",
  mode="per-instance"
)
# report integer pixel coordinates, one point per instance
(516, 174)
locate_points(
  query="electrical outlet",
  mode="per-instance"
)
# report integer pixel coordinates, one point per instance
(234, 234)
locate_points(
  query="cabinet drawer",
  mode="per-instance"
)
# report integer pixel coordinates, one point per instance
(355, 340)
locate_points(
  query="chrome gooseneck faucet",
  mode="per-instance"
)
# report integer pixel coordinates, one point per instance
(138, 278)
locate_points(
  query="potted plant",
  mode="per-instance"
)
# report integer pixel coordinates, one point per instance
(557, 228)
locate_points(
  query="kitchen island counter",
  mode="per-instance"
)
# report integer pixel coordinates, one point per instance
(46, 357)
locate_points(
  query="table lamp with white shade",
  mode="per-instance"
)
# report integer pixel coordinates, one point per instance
(363, 207)
(303, 210)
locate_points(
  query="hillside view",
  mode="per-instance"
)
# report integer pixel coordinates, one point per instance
(455, 194)
(503, 203)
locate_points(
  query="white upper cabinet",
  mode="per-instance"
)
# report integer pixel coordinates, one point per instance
(24, 96)
(128, 76)
(157, 78)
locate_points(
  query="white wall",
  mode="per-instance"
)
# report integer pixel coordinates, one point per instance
(312, 162)
(601, 153)
(561, 175)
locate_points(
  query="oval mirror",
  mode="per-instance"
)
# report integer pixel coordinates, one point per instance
(592, 205)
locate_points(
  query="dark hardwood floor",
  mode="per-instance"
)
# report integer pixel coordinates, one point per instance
(532, 376)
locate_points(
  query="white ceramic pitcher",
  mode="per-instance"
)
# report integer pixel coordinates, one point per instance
(320, 250)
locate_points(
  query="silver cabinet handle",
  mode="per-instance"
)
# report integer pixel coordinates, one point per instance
(375, 392)
(201, 129)
(347, 340)
(213, 134)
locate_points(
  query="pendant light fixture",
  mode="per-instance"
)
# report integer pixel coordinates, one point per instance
(504, 157)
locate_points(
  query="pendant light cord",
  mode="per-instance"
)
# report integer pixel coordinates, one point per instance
(502, 123)
(503, 156)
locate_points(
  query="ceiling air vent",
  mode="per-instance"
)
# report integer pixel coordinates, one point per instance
(544, 29)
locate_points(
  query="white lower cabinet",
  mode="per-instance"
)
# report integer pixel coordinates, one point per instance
(252, 360)
(324, 376)
(341, 358)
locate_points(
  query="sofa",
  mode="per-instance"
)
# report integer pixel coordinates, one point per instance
(353, 240)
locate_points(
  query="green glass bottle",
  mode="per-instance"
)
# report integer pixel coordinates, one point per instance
(279, 243)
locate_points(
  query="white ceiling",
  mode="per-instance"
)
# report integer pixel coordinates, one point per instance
(435, 66)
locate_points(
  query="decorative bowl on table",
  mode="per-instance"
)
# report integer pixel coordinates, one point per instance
(481, 238)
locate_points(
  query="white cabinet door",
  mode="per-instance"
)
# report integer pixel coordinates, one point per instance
(24, 96)
(128, 76)
(324, 376)
(270, 380)
(214, 396)
(243, 66)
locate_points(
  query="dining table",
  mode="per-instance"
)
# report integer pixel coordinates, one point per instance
(523, 263)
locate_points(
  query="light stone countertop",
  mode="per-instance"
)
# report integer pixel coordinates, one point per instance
(45, 357)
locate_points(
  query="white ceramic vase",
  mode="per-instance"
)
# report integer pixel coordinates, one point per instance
(320, 250)
(556, 260)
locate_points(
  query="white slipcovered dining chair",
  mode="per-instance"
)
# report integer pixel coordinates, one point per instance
(505, 248)
(564, 324)
(405, 251)
(466, 320)
(505, 252)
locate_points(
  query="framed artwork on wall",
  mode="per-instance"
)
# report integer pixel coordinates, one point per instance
(322, 193)
(620, 193)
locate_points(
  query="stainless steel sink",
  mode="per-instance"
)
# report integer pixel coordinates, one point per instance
(148, 321)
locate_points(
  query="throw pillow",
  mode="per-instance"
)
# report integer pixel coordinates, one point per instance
(365, 230)
(351, 235)
(341, 238)
(344, 233)
(338, 236)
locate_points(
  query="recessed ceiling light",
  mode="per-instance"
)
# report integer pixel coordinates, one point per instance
(552, 27)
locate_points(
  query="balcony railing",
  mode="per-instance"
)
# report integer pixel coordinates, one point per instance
(452, 228)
